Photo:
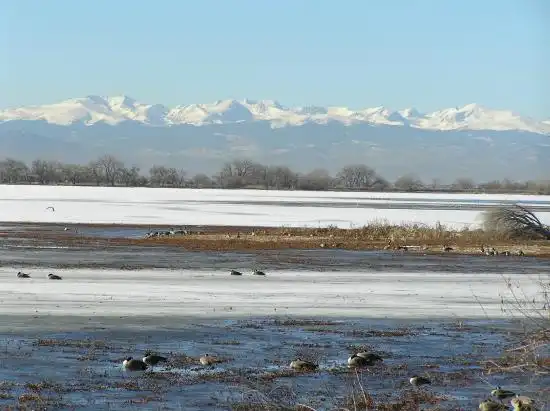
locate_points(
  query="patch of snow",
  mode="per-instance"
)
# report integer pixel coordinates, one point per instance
(88, 292)
(122, 205)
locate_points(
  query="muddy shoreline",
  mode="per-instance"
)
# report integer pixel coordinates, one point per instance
(408, 240)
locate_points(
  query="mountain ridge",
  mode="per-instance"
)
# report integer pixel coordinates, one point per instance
(113, 110)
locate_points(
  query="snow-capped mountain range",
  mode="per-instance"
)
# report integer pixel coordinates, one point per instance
(115, 110)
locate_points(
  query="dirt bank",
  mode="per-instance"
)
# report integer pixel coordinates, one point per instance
(406, 239)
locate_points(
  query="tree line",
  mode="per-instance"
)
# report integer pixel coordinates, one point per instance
(107, 170)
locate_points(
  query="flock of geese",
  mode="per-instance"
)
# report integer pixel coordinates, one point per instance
(356, 360)
(255, 272)
(150, 360)
(51, 276)
(485, 250)
(518, 402)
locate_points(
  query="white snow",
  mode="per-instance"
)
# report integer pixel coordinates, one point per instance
(238, 207)
(113, 110)
(86, 292)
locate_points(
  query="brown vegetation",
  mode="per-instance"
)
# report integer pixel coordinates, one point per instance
(403, 238)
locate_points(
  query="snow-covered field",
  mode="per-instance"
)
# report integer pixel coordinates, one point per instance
(87, 292)
(241, 207)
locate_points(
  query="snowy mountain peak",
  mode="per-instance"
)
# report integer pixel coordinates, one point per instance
(116, 109)
(121, 101)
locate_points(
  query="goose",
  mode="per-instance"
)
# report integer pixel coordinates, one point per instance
(302, 365)
(490, 405)
(23, 275)
(153, 359)
(357, 361)
(131, 364)
(54, 277)
(235, 272)
(523, 403)
(258, 272)
(208, 359)
(370, 356)
(502, 394)
(417, 381)
(363, 359)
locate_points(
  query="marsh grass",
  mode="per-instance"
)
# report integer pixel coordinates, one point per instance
(89, 344)
(532, 354)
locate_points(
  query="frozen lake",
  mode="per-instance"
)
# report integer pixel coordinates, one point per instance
(176, 207)
(214, 294)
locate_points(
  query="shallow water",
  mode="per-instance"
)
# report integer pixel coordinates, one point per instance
(82, 362)
(89, 374)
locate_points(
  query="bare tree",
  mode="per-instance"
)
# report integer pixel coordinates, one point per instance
(13, 171)
(380, 184)
(130, 176)
(46, 172)
(463, 184)
(280, 177)
(408, 183)
(201, 181)
(357, 176)
(243, 168)
(515, 222)
(318, 180)
(180, 177)
(97, 174)
(76, 174)
(161, 176)
(239, 173)
(111, 168)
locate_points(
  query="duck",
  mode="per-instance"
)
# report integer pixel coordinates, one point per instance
(490, 405)
(417, 381)
(235, 272)
(363, 359)
(131, 364)
(54, 277)
(153, 359)
(501, 394)
(23, 275)
(302, 365)
(447, 249)
(258, 272)
(208, 359)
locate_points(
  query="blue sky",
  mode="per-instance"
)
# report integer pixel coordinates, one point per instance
(428, 54)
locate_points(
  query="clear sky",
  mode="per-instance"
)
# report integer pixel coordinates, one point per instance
(428, 54)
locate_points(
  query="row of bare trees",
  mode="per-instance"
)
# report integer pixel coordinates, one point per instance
(110, 171)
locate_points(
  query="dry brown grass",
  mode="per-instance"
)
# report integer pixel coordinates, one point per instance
(532, 354)
(90, 344)
(418, 238)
